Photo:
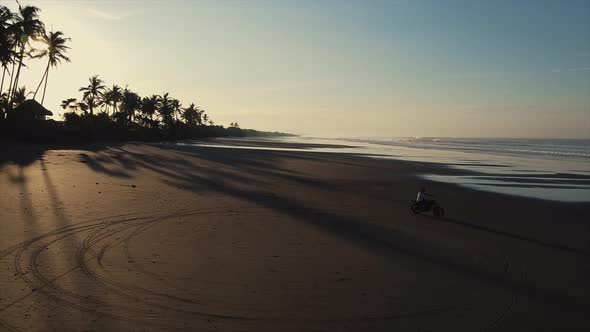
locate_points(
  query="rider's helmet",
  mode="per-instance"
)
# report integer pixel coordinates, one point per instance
(423, 190)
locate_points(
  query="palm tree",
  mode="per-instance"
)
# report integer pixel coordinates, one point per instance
(165, 109)
(67, 103)
(55, 53)
(191, 114)
(6, 41)
(95, 91)
(112, 97)
(130, 103)
(149, 106)
(205, 119)
(81, 106)
(27, 25)
(200, 113)
(20, 95)
(91, 103)
(176, 108)
(107, 100)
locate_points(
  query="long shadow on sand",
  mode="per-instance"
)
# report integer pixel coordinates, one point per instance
(182, 173)
(25, 154)
(509, 235)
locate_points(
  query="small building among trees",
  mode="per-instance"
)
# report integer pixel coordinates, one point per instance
(29, 113)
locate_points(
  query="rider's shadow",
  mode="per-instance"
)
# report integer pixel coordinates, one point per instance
(506, 234)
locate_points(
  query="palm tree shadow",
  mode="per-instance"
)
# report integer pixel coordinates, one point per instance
(381, 240)
(21, 157)
(23, 154)
(508, 235)
(59, 210)
(179, 173)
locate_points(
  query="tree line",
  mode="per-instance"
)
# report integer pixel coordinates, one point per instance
(100, 111)
(128, 108)
(17, 29)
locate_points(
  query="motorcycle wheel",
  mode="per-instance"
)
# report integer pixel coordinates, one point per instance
(414, 207)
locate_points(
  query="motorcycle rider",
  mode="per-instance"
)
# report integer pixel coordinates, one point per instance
(423, 198)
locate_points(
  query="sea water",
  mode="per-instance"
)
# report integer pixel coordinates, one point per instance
(553, 169)
(550, 169)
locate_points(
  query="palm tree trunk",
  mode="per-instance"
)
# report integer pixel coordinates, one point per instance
(42, 78)
(20, 64)
(11, 78)
(3, 73)
(45, 86)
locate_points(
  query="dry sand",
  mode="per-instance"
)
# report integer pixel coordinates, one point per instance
(158, 237)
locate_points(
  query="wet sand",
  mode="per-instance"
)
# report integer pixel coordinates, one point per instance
(160, 237)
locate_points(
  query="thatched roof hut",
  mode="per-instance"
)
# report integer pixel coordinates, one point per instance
(30, 110)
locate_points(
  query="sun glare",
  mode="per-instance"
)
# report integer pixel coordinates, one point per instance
(36, 45)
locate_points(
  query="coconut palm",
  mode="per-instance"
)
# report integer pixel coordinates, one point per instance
(107, 100)
(112, 97)
(130, 103)
(81, 106)
(20, 95)
(200, 113)
(55, 53)
(95, 90)
(91, 103)
(68, 103)
(6, 41)
(191, 115)
(176, 108)
(205, 119)
(165, 109)
(26, 25)
(149, 106)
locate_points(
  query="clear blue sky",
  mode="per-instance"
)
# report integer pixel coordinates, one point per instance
(341, 68)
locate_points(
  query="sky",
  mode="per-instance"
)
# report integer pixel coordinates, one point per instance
(428, 68)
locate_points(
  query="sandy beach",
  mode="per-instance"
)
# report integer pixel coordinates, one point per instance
(150, 237)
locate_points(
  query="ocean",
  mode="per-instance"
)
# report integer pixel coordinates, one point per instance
(549, 169)
(572, 149)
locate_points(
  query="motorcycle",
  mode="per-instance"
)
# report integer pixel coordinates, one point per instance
(436, 209)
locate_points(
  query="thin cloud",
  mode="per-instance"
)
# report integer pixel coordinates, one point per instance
(107, 16)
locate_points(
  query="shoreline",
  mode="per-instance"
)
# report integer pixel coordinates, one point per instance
(500, 177)
(267, 240)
